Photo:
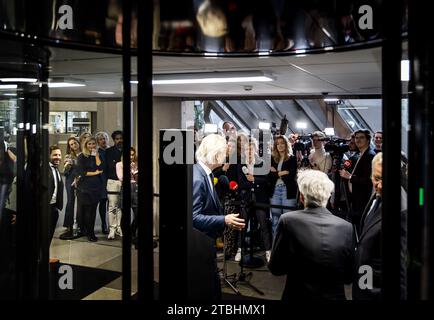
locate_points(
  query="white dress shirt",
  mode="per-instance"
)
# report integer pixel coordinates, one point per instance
(208, 171)
(55, 174)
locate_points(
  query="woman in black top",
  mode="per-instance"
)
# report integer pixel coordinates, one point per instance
(90, 186)
(283, 187)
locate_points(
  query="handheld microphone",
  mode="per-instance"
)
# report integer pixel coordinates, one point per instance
(245, 170)
(215, 180)
(347, 164)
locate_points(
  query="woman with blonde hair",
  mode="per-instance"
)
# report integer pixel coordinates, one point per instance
(283, 187)
(70, 172)
(90, 185)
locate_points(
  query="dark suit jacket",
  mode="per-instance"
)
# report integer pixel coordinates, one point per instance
(59, 197)
(207, 212)
(315, 249)
(260, 186)
(289, 179)
(369, 253)
(361, 181)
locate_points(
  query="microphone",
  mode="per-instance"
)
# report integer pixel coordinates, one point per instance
(347, 164)
(233, 186)
(245, 170)
(223, 181)
(215, 181)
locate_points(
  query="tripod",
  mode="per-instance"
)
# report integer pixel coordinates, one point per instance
(248, 261)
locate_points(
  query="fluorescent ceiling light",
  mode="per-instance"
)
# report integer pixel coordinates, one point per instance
(300, 51)
(18, 79)
(210, 128)
(264, 125)
(212, 77)
(65, 85)
(103, 92)
(8, 86)
(353, 108)
(301, 125)
(134, 82)
(329, 131)
(331, 100)
(405, 70)
(10, 94)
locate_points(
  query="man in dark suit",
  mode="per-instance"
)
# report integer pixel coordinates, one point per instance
(312, 247)
(359, 180)
(55, 189)
(207, 212)
(368, 253)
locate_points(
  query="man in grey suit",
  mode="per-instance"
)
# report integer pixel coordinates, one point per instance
(312, 247)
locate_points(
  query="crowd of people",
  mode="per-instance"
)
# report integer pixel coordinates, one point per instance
(293, 206)
(93, 173)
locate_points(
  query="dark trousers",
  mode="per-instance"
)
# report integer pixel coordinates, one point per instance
(53, 222)
(261, 217)
(103, 212)
(88, 212)
(70, 205)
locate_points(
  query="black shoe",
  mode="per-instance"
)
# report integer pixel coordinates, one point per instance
(68, 235)
(78, 234)
(104, 229)
(92, 238)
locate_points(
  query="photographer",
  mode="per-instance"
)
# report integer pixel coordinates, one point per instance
(319, 159)
(359, 180)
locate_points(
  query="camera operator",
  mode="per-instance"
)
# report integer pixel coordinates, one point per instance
(254, 188)
(359, 180)
(319, 159)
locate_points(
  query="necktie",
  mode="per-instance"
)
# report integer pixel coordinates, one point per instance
(371, 212)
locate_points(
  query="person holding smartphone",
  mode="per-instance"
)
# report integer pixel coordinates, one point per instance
(90, 185)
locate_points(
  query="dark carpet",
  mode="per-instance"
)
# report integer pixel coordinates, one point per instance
(85, 281)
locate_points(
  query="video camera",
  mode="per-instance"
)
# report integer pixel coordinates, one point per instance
(303, 143)
(335, 145)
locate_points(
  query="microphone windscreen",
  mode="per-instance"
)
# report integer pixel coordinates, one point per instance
(224, 182)
(233, 185)
(245, 170)
(347, 164)
(216, 180)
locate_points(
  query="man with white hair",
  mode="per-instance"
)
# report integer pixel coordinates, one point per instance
(207, 211)
(314, 248)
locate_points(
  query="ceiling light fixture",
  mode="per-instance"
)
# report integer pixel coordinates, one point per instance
(329, 131)
(405, 70)
(212, 77)
(301, 125)
(8, 86)
(65, 83)
(18, 80)
(264, 125)
(103, 92)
